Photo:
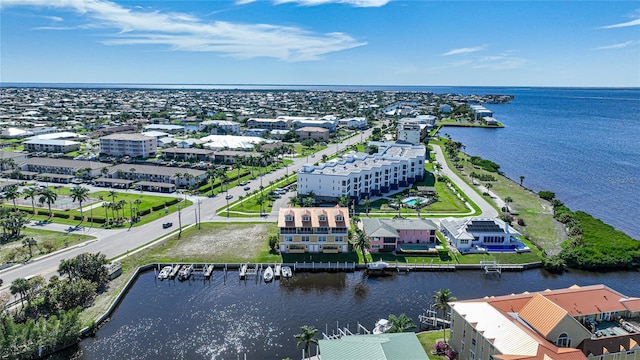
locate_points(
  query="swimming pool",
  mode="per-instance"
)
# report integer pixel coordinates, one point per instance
(412, 201)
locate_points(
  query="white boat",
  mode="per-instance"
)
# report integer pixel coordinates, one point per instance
(287, 272)
(378, 265)
(185, 272)
(164, 273)
(268, 274)
(382, 326)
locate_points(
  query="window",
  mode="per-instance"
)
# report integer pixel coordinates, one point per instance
(322, 238)
(322, 218)
(339, 239)
(288, 238)
(305, 218)
(288, 218)
(304, 238)
(339, 218)
(563, 340)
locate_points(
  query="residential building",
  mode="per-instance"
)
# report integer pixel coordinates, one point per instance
(472, 233)
(256, 132)
(590, 322)
(314, 230)
(168, 128)
(187, 154)
(232, 142)
(390, 234)
(354, 123)
(60, 170)
(222, 127)
(270, 124)
(328, 122)
(480, 111)
(230, 156)
(10, 159)
(122, 129)
(358, 175)
(409, 133)
(134, 145)
(58, 146)
(157, 174)
(390, 346)
(313, 133)
(15, 133)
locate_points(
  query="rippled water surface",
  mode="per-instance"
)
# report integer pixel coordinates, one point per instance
(226, 319)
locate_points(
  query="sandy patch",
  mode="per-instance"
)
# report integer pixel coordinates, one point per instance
(237, 240)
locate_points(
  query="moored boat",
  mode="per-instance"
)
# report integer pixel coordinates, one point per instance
(287, 272)
(185, 272)
(378, 265)
(268, 274)
(382, 326)
(164, 273)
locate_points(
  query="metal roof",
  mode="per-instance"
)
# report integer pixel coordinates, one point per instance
(398, 346)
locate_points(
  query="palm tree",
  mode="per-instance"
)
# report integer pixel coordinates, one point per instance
(401, 323)
(366, 203)
(121, 206)
(361, 243)
(418, 206)
(29, 242)
(521, 179)
(343, 200)
(294, 201)
(212, 173)
(113, 195)
(31, 193)
(224, 178)
(12, 193)
(306, 338)
(79, 194)
(507, 200)
(442, 299)
(48, 196)
(238, 165)
(133, 173)
(105, 205)
(399, 204)
(307, 201)
(20, 286)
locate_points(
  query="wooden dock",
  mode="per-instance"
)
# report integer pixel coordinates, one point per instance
(207, 271)
(277, 271)
(325, 266)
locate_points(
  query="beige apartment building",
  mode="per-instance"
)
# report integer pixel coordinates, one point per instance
(134, 145)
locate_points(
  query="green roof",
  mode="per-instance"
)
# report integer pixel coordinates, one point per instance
(398, 346)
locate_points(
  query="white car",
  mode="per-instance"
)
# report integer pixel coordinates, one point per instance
(228, 197)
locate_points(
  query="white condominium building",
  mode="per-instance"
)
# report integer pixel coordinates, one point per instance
(358, 175)
(134, 145)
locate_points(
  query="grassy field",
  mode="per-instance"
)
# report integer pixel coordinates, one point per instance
(540, 226)
(56, 240)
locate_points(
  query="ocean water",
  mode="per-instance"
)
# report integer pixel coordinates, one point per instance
(582, 144)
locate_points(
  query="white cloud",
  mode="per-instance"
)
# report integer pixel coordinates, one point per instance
(635, 16)
(503, 61)
(466, 50)
(243, 2)
(185, 32)
(616, 46)
(356, 3)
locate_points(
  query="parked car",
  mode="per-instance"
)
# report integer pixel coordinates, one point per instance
(247, 188)
(167, 225)
(228, 197)
(244, 183)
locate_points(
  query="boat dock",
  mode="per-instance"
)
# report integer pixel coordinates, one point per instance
(207, 271)
(174, 271)
(431, 320)
(277, 271)
(325, 266)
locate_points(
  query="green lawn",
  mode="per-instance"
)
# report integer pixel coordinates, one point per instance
(428, 340)
(54, 239)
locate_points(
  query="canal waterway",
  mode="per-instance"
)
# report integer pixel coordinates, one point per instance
(226, 319)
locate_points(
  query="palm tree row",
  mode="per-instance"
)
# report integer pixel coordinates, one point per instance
(46, 195)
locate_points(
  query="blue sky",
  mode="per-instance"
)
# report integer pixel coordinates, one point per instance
(351, 42)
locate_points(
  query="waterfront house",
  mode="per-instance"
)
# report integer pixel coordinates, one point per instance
(391, 234)
(590, 322)
(468, 234)
(314, 230)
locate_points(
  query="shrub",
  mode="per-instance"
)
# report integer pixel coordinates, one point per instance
(547, 195)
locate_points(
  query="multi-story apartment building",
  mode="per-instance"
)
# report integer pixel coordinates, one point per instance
(270, 124)
(590, 322)
(134, 145)
(55, 145)
(359, 175)
(409, 132)
(314, 230)
(221, 127)
(60, 170)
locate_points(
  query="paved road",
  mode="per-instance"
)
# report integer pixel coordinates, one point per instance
(486, 208)
(115, 242)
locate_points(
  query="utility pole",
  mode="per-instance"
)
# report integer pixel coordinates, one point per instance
(179, 222)
(199, 215)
